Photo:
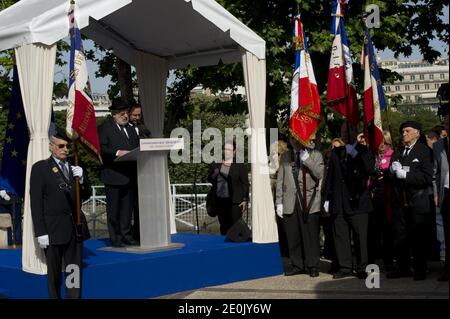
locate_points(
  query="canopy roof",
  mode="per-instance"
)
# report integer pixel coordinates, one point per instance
(195, 32)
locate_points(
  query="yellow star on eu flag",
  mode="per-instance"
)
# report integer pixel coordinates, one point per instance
(9, 140)
(13, 153)
(24, 162)
(11, 126)
(18, 115)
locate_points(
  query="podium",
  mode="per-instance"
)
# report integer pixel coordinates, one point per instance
(154, 194)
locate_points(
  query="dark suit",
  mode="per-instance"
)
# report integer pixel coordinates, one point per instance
(52, 208)
(238, 186)
(119, 177)
(350, 203)
(411, 207)
(141, 130)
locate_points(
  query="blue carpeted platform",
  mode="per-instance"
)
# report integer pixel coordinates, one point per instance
(205, 260)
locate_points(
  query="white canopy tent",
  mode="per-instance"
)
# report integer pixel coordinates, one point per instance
(154, 36)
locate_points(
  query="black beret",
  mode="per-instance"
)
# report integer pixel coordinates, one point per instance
(118, 104)
(62, 135)
(412, 124)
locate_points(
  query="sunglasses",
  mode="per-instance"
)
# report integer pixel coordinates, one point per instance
(61, 145)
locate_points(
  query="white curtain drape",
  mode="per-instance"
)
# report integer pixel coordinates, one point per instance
(152, 74)
(264, 228)
(35, 65)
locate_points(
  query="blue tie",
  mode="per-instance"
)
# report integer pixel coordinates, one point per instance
(64, 169)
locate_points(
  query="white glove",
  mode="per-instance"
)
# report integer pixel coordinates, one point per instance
(77, 171)
(280, 210)
(43, 241)
(326, 206)
(395, 166)
(400, 173)
(4, 195)
(304, 155)
(351, 150)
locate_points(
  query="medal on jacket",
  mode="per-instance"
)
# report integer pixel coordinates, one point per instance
(55, 170)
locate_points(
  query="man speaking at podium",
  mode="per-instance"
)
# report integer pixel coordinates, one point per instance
(117, 138)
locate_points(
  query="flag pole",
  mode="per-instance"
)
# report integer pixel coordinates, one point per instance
(77, 188)
(345, 84)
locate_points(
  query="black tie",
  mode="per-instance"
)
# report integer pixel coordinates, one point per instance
(64, 169)
(407, 149)
(298, 161)
(122, 128)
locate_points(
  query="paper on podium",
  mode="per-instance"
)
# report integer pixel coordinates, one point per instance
(152, 144)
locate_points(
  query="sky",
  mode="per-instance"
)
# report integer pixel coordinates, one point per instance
(100, 85)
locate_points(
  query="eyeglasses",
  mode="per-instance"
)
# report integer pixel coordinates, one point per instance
(61, 145)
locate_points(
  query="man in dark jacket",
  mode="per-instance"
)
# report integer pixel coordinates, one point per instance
(412, 173)
(137, 122)
(53, 202)
(117, 138)
(348, 201)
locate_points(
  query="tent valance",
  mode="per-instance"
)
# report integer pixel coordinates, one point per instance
(184, 32)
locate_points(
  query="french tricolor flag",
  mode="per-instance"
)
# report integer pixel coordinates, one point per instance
(341, 89)
(305, 113)
(374, 100)
(80, 119)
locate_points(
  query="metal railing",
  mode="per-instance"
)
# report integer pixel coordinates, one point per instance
(190, 210)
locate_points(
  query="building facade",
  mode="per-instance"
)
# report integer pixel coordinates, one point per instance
(421, 80)
(101, 104)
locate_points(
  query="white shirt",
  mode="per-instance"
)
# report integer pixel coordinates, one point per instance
(135, 127)
(409, 148)
(125, 130)
(58, 161)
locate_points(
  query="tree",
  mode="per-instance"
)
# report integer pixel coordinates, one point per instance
(203, 108)
(403, 25)
(123, 78)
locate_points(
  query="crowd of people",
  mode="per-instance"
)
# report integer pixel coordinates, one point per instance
(387, 207)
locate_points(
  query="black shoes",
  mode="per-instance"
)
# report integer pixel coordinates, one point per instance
(123, 243)
(342, 274)
(294, 271)
(313, 272)
(130, 242)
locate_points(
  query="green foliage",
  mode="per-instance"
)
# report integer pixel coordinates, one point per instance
(203, 109)
(403, 25)
(392, 119)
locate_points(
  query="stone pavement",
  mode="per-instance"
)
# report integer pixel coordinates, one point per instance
(324, 287)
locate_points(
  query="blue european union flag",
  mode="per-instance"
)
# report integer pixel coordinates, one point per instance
(15, 145)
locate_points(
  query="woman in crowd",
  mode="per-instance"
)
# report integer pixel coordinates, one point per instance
(380, 220)
(230, 181)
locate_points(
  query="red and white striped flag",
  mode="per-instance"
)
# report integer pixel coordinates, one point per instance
(341, 89)
(305, 113)
(80, 120)
(373, 95)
